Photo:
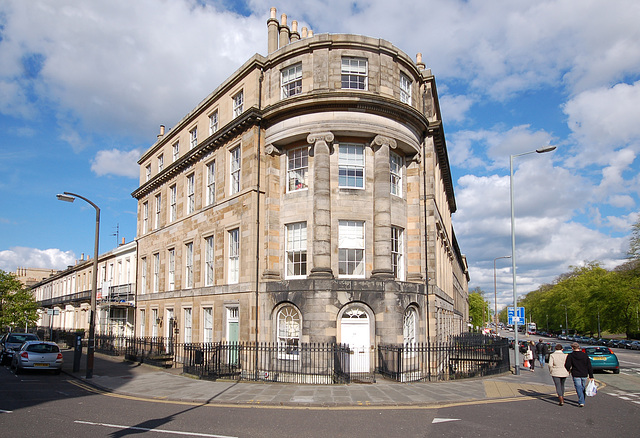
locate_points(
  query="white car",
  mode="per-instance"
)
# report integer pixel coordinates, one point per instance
(38, 355)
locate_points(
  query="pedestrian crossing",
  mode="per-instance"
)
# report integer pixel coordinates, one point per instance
(633, 397)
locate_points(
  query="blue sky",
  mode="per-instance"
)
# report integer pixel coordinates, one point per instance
(84, 87)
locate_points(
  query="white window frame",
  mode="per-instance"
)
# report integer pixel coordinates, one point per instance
(209, 261)
(409, 327)
(235, 165)
(176, 151)
(351, 249)
(405, 89)
(288, 328)
(298, 169)
(291, 81)
(156, 272)
(207, 324)
(173, 207)
(397, 252)
(193, 138)
(188, 324)
(172, 269)
(148, 172)
(296, 250)
(143, 271)
(213, 122)
(154, 326)
(238, 103)
(156, 218)
(160, 162)
(355, 72)
(188, 265)
(234, 256)
(145, 217)
(351, 166)
(191, 193)
(143, 323)
(396, 164)
(211, 183)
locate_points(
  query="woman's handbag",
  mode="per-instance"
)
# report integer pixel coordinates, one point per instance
(526, 363)
(591, 389)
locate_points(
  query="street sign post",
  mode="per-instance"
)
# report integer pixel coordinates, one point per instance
(515, 316)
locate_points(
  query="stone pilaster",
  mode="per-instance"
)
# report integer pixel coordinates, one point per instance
(321, 255)
(382, 208)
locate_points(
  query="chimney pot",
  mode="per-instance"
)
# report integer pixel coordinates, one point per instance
(273, 13)
(310, 33)
(283, 20)
(304, 32)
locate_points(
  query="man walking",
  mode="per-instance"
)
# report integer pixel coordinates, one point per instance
(542, 349)
(579, 365)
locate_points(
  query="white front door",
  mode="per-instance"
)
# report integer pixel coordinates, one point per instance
(355, 332)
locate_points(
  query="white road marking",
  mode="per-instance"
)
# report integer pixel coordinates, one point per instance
(444, 420)
(145, 429)
(5, 412)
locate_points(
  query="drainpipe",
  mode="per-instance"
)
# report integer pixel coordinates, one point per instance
(258, 152)
(426, 255)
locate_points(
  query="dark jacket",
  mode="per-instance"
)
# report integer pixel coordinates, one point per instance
(541, 348)
(579, 364)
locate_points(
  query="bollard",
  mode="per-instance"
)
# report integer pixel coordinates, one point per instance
(77, 353)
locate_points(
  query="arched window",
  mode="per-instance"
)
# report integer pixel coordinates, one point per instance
(288, 320)
(409, 326)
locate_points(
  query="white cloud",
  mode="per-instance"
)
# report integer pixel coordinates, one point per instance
(455, 108)
(51, 258)
(117, 162)
(603, 120)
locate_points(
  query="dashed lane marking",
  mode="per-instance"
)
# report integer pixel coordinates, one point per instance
(145, 429)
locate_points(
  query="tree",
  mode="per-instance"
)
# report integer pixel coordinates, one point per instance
(478, 308)
(634, 243)
(18, 307)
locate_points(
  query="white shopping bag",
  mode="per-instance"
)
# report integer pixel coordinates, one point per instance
(592, 389)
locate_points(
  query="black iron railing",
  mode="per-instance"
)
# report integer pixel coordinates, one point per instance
(462, 356)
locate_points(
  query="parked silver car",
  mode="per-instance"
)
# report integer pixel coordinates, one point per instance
(11, 342)
(38, 355)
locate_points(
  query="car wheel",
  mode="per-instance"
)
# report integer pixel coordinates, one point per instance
(18, 370)
(616, 371)
(56, 372)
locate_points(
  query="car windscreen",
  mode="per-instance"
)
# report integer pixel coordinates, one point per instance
(15, 339)
(43, 348)
(596, 350)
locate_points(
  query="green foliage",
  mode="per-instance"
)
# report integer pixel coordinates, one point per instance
(634, 243)
(18, 307)
(590, 299)
(478, 308)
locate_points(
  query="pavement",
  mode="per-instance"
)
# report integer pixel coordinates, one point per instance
(113, 375)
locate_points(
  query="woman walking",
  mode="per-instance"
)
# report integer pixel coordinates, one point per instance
(531, 355)
(558, 372)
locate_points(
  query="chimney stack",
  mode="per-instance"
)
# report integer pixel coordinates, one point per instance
(161, 132)
(284, 31)
(295, 36)
(419, 63)
(272, 28)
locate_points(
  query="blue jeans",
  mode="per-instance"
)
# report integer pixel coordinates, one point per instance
(541, 358)
(581, 384)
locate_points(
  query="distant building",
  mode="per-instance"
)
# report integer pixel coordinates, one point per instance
(30, 276)
(67, 294)
(308, 198)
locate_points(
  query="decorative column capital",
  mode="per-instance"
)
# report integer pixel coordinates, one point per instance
(272, 150)
(314, 137)
(382, 140)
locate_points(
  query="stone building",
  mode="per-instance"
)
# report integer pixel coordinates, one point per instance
(65, 296)
(306, 199)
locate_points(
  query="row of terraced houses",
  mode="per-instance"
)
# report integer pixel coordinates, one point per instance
(308, 198)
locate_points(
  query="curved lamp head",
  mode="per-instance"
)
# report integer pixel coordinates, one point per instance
(65, 198)
(547, 149)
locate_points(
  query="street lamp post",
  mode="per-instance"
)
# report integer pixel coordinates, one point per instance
(91, 344)
(495, 292)
(513, 250)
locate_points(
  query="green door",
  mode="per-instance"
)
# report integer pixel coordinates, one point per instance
(232, 335)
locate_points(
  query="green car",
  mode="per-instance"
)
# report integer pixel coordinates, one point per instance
(602, 359)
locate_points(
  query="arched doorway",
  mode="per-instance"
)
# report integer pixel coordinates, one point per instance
(355, 331)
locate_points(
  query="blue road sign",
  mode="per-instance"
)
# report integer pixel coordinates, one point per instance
(513, 318)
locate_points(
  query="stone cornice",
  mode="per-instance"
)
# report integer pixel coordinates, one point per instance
(229, 131)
